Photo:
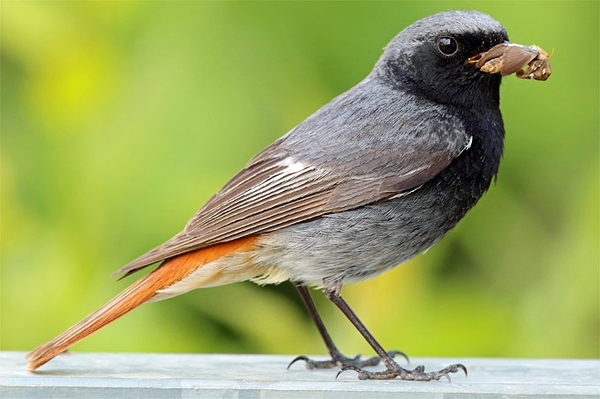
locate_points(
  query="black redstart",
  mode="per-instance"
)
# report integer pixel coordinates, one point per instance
(373, 178)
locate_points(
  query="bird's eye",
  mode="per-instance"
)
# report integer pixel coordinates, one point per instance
(447, 45)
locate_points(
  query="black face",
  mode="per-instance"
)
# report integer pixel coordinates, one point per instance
(430, 58)
(441, 71)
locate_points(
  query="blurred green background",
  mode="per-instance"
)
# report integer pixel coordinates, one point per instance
(119, 119)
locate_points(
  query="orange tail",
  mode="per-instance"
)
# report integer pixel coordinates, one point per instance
(170, 272)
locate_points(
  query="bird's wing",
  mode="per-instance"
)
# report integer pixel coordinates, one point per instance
(283, 185)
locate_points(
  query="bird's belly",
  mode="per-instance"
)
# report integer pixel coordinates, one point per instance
(359, 244)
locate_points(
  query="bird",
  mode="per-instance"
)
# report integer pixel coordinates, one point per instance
(370, 180)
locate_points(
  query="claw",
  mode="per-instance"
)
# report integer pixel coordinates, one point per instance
(296, 359)
(315, 364)
(396, 353)
(346, 368)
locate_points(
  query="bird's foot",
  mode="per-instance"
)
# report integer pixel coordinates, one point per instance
(417, 374)
(346, 363)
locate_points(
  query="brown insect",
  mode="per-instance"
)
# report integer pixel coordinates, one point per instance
(507, 58)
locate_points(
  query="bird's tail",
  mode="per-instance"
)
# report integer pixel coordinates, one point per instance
(148, 288)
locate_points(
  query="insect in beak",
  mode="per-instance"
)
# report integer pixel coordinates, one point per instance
(507, 58)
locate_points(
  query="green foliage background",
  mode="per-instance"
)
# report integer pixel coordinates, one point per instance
(119, 119)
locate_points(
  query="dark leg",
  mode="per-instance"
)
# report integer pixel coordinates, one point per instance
(393, 369)
(337, 358)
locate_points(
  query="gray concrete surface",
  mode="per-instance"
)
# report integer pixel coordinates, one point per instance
(132, 375)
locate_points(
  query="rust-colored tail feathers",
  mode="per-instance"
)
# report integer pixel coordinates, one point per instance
(143, 290)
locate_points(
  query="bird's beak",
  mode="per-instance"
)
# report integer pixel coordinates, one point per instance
(507, 58)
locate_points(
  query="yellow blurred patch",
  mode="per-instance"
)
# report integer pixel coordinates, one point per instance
(67, 93)
(69, 65)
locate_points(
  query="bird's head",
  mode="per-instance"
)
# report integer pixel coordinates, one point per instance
(434, 57)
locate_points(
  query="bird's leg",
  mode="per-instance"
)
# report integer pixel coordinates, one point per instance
(337, 358)
(393, 370)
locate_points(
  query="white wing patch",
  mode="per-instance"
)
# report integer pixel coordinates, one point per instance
(292, 165)
(281, 180)
(468, 145)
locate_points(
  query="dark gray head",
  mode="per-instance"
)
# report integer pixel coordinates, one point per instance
(430, 57)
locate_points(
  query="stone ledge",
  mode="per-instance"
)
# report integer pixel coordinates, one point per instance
(132, 375)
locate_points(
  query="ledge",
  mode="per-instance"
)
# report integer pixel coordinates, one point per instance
(94, 375)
